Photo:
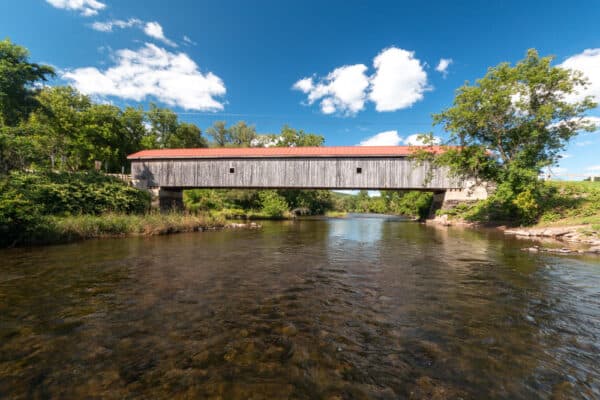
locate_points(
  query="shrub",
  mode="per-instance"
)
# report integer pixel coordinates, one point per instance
(20, 219)
(527, 206)
(77, 193)
(273, 205)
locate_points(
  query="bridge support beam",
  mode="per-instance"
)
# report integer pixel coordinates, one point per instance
(166, 199)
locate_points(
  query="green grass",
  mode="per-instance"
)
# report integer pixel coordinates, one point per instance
(564, 204)
(336, 214)
(238, 213)
(107, 225)
(573, 203)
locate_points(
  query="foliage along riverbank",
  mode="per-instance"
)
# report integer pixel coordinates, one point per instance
(51, 207)
(567, 212)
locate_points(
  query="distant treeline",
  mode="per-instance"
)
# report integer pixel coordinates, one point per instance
(282, 203)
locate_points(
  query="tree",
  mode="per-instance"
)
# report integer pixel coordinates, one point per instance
(290, 137)
(242, 135)
(514, 121)
(220, 134)
(17, 83)
(60, 119)
(186, 135)
(162, 125)
(509, 125)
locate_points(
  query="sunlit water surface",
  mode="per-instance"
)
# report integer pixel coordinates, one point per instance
(357, 308)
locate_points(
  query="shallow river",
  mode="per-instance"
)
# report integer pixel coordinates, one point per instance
(357, 308)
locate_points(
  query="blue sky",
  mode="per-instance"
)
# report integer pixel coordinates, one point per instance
(348, 70)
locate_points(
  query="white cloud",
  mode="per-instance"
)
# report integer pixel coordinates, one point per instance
(591, 120)
(108, 26)
(188, 40)
(152, 29)
(584, 143)
(443, 65)
(593, 168)
(152, 72)
(155, 30)
(304, 85)
(416, 140)
(398, 82)
(387, 138)
(587, 62)
(87, 8)
(342, 90)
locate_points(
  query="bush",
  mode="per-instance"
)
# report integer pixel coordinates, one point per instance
(527, 206)
(21, 221)
(76, 193)
(273, 205)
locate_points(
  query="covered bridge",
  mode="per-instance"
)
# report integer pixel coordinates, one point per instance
(168, 171)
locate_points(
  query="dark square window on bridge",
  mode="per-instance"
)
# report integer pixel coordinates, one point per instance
(359, 170)
(231, 170)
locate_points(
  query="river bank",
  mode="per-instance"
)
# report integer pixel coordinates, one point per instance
(66, 229)
(557, 238)
(567, 219)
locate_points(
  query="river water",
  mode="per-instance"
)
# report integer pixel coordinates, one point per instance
(356, 308)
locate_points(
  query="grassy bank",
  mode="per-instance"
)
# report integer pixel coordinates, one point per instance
(238, 213)
(79, 227)
(573, 203)
(562, 204)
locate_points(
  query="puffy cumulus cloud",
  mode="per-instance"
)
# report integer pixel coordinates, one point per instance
(587, 62)
(387, 138)
(443, 65)
(152, 72)
(417, 140)
(342, 90)
(108, 26)
(155, 30)
(399, 80)
(85, 7)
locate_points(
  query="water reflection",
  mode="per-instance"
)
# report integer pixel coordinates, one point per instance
(354, 308)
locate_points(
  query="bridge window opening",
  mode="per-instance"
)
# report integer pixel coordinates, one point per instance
(359, 170)
(231, 170)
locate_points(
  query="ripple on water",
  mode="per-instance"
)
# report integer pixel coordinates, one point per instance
(352, 309)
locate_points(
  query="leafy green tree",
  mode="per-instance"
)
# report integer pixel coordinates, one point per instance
(134, 132)
(18, 78)
(242, 135)
(290, 137)
(20, 148)
(61, 118)
(509, 125)
(186, 135)
(515, 120)
(220, 134)
(163, 125)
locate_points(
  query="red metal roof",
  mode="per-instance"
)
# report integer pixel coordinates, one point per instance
(260, 152)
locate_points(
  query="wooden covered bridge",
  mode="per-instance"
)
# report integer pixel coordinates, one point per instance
(167, 172)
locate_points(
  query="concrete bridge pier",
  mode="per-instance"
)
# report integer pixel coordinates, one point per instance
(165, 199)
(437, 203)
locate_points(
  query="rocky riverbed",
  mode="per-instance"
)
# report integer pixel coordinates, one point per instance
(580, 239)
(574, 239)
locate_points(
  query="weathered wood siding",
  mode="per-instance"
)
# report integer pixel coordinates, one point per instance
(315, 173)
